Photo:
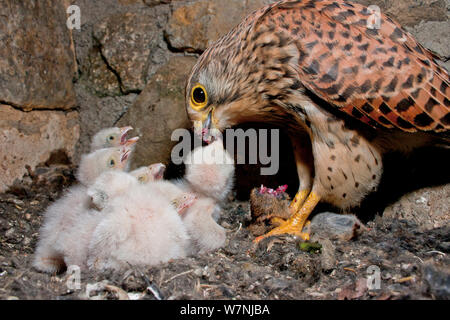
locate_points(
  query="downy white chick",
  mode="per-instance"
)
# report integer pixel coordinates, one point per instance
(138, 227)
(92, 165)
(155, 172)
(209, 176)
(110, 137)
(184, 202)
(210, 170)
(111, 184)
(56, 240)
(114, 137)
(148, 174)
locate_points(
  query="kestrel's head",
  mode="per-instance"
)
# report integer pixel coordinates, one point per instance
(239, 80)
(208, 93)
(221, 91)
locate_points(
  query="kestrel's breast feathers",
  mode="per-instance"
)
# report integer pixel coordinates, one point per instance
(380, 76)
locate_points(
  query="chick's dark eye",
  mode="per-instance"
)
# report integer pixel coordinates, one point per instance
(112, 163)
(111, 137)
(199, 95)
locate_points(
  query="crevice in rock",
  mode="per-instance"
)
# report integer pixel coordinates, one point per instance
(124, 111)
(35, 108)
(123, 92)
(185, 50)
(152, 5)
(98, 46)
(59, 156)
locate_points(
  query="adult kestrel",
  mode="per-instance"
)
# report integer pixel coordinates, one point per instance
(345, 91)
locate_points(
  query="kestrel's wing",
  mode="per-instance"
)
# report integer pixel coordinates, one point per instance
(376, 75)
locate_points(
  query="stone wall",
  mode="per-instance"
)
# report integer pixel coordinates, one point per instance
(37, 96)
(127, 66)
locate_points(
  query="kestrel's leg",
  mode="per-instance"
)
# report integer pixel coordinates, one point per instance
(304, 201)
(295, 224)
(303, 161)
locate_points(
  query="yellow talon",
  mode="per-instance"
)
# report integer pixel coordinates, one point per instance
(277, 221)
(294, 225)
(298, 200)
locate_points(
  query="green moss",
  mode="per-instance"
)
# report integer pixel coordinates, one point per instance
(310, 247)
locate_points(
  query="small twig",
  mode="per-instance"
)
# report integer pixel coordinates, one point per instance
(405, 279)
(121, 294)
(150, 286)
(223, 256)
(11, 201)
(239, 229)
(350, 269)
(178, 275)
(438, 252)
(209, 286)
(12, 280)
(155, 292)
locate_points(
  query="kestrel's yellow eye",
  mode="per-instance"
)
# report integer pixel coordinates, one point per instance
(199, 97)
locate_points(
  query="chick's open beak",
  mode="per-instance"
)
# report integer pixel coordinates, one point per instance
(123, 134)
(158, 170)
(125, 155)
(128, 149)
(131, 142)
(185, 203)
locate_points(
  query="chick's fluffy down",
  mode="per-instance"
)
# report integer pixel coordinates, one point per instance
(139, 228)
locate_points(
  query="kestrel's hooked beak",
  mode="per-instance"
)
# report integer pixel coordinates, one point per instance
(207, 127)
(123, 134)
(207, 123)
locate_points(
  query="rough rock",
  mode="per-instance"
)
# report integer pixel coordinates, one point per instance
(434, 36)
(102, 81)
(128, 65)
(101, 95)
(29, 138)
(92, 14)
(37, 63)
(97, 113)
(437, 279)
(159, 110)
(328, 255)
(127, 43)
(195, 25)
(335, 226)
(411, 12)
(429, 208)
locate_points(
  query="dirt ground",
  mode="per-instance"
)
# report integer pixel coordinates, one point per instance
(413, 264)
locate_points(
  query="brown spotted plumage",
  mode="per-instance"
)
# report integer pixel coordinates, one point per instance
(313, 67)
